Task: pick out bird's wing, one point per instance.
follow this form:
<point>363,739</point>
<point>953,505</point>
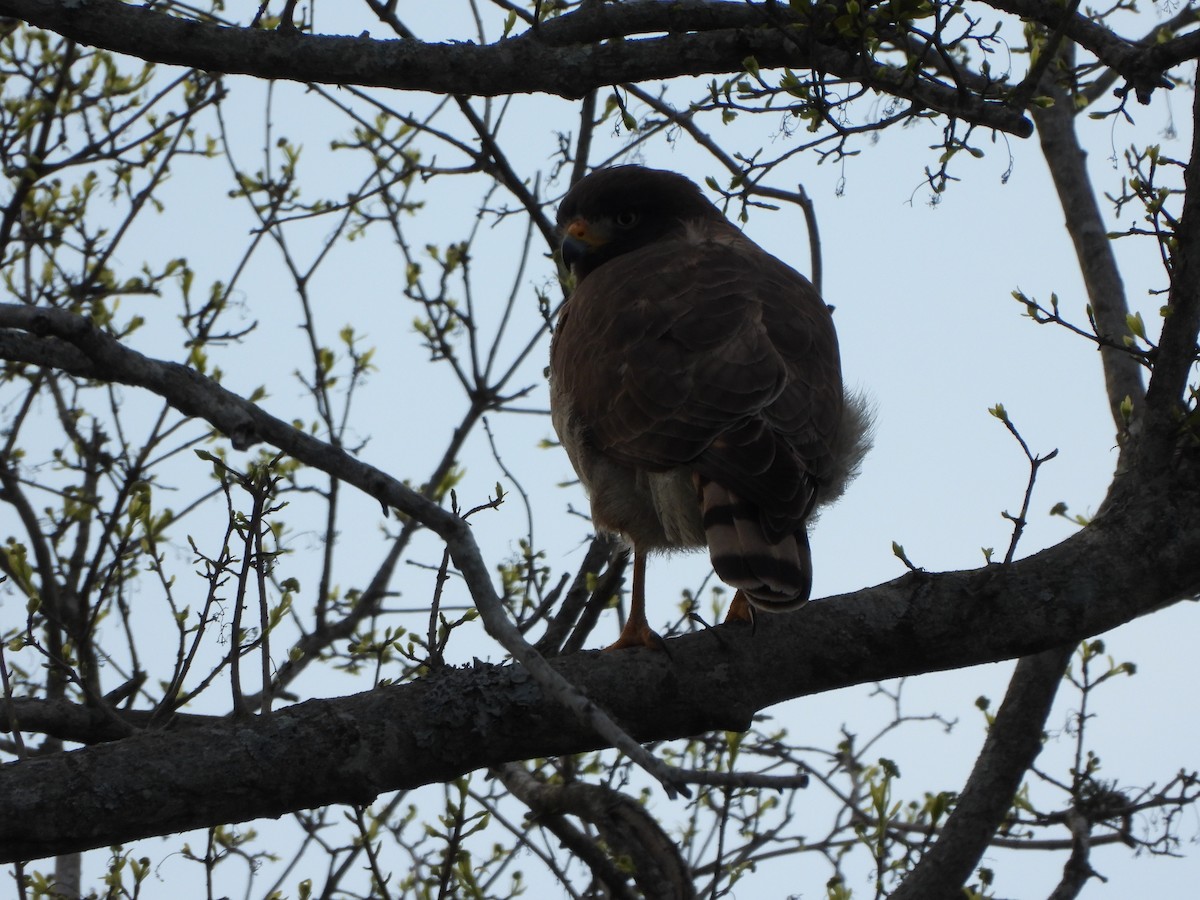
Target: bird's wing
<point>710,354</point>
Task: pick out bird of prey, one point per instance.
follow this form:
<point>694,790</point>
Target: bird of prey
<point>696,386</point>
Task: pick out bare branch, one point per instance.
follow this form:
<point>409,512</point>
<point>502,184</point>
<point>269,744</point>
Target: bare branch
<point>1013,742</point>
<point>1177,351</point>
<point>1141,67</point>
<point>524,64</point>
<point>1106,291</point>
<point>1140,551</point>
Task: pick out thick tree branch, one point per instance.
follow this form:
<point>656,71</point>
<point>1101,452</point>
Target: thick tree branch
<point>1141,552</point>
<point>1142,67</point>
<point>1133,558</point>
<point>1078,869</point>
<point>1013,743</point>
<point>1067,162</point>
<point>67,721</point>
<point>625,826</point>
<point>246,424</point>
<point>524,64</point>
<point>1015,737</point>
<point>349,750</point>
<point>1177,350</point>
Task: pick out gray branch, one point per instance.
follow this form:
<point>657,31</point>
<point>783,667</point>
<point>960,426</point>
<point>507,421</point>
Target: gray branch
<point>349,750</point>
<point>1143,67</point>
<point>576,53</point>
<point>1067,162</point>
<point>1013,743</point>
<point>1141,552</point>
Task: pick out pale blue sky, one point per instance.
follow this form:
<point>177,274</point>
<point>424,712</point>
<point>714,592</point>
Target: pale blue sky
<point>928,329</point>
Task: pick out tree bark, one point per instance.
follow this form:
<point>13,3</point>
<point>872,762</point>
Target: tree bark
<point>568,57</point>
<point>1067,162</point>
<point>1013,743</point>
<point>1141,553</point>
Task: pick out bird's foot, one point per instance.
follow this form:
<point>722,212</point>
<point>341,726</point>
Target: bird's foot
<point>637,631</point>
<point>638,635</point>
<point>740,610</point>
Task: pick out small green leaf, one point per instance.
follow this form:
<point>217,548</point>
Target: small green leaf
<point>1133,321</point>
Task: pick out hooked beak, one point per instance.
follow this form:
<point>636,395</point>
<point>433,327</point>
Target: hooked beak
<point>580,238</point>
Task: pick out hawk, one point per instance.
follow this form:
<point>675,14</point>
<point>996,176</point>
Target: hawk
<point>696,387</point>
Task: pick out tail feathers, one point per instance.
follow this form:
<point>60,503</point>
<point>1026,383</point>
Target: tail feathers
<point>775,576</point>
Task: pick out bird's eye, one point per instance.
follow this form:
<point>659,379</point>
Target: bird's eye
<point>627,219</point>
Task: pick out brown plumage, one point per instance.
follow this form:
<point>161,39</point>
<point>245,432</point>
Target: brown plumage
<point>696,386</point>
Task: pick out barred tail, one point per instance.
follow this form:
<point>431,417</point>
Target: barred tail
<point>775,576</point>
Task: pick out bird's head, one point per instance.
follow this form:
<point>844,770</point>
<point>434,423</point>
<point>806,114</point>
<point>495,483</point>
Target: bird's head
<point>613,211</point>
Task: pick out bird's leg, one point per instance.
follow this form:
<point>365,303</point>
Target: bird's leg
<point>740,610</point>
<point>637,631</point>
